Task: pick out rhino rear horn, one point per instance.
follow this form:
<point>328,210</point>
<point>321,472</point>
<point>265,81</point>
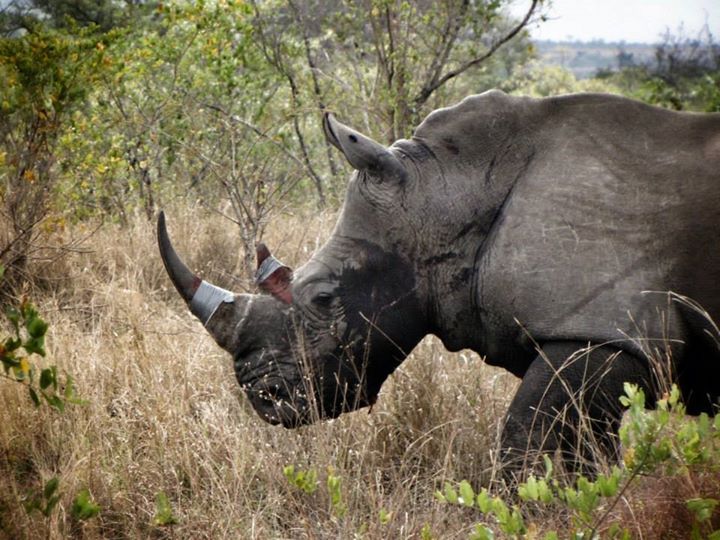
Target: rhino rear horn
<point>272,276</point>
<point>363,153</point>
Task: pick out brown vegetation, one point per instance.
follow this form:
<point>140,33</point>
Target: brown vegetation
<point>164,413</point>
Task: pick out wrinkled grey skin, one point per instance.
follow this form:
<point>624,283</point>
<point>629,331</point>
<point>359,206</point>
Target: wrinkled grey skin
<point>523,229</point>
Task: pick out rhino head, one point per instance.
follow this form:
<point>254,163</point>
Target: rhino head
<point>327,335</point>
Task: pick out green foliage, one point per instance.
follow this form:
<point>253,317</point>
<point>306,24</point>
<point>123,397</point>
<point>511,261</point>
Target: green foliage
<point>164,515</point>
<point>685,74</point>
<point>426,533</point>
<point>334,487</point>
<point>664,441</point>
<point>17,357</point>
<point>104,14</point>
<point>44,501</point>
<point>222,101</point>
<point>83,507</point>
<point>508,518</point>
<point>304,480</point>
<point>543,81</point>
<point>307,482</point>
<point>47,75</point>
<point>399,55</point>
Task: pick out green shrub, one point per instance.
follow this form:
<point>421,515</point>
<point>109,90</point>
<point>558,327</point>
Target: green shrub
<point>661,441</point>
<point>18,354</point>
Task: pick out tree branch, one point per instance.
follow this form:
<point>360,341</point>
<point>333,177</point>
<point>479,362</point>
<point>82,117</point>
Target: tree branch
<point>428,90</point>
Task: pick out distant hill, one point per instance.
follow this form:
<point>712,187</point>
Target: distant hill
<point>584,59</point>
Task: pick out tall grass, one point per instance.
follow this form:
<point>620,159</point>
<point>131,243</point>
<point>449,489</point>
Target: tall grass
<point>164,413</point>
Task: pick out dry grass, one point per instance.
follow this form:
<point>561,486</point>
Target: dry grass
<point>164,412</point>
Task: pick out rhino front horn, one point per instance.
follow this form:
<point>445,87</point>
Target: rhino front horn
<point>272,276</point>
<point>202,297</point>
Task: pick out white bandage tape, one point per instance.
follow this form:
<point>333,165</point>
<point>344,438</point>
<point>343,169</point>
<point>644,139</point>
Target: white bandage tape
<point>206,300</point>
<point>266,269</point>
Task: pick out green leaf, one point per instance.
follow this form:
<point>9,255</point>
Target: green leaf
<point>608,485</point>
<point>11,345</point>
<point>467,494</point>
<point>548,467</point>
<point>35,345</point>
<point>528,491</point>
<point>83,507</point>
<point>51,487</point>
<point>163,511</point>
<point>50,505</point>
<point>36,327</point>
<point>33,395</point>
<point>702,508</point>
<point>54,401</point>
<point>426,532</point>
<point>9,361</point>
<point>481,532</point>
<point>48,377</point>
<point>483,501</point>
<point>451,495</point>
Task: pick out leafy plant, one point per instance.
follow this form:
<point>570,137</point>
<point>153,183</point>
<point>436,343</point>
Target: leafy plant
<point>307,481</point>
<point>163,511</point>
<point>83,507</point>
<point>47,75</point>
<point>334,487</point>
<point>17,354</point>
<point>46,500</point>
<point>304,480</point>
<point>664,440</point>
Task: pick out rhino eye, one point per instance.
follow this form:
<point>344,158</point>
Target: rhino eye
<point>322,299</point>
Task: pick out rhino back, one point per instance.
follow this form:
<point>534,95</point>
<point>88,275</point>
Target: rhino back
<point>620,199</point>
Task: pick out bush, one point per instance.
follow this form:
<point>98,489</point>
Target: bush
<point>661,442</point>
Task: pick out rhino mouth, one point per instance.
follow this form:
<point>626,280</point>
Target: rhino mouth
<point>278,403</point>
<point>274,388</point>
<point>294,403</point>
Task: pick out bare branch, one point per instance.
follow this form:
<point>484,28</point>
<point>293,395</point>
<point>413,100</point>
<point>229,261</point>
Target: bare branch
<point>449,36</point>
<point>428,90</point>
<point>257,132</point>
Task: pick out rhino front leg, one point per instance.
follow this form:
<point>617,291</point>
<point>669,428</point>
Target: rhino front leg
<point>568,401</point>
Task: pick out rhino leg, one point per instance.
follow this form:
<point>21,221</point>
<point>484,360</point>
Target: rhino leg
<point>568,401</point>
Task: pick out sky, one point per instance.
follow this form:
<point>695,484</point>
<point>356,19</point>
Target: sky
<point>642,21</point>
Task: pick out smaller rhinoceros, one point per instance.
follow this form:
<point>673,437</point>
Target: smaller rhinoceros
<point>523,229</point>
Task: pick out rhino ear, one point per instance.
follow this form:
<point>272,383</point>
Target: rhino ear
<point>272,276</point>
<point>362,152</point>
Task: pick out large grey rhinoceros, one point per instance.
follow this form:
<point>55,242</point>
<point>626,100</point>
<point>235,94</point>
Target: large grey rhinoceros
<point>523,229</point>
